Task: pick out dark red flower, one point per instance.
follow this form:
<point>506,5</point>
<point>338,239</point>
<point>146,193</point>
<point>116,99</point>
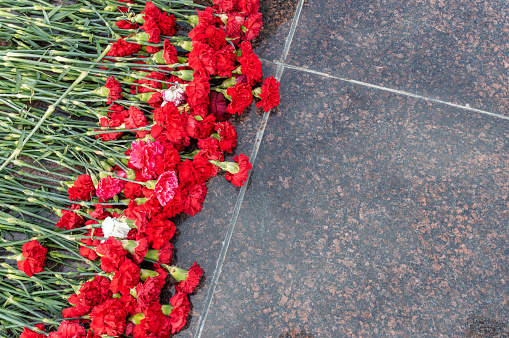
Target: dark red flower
<point>69,329</point>
<point>125,278</point>
<point>204,167</point>
<point>239,178</point>
<point>217,106</point>
<point>129,303</point>
<point>248,7</point>
<point>226,6</point>
<point>168,161</point>
<point>210,149</point>
<point>234,27</point>
<point>109,318</point>
<point>123,48</point>
<point>152,49</point>
<point>90,294</point>
<point>169,117</point>
<point>132,190</point>
<point>187,173</point>
<point>70,220</point>
<point>165,254</point>
<point>27,333</point>
<point>147,294</point>
<point>152,29</point>
<point>241,98</point>
<point>112,254</point>
<point>270,94</point>
<point>82,189</point>
<point>227,136</point>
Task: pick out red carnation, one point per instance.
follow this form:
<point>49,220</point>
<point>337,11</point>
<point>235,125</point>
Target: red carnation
<point>152,28</point>
<point>148,293</point>
<point>109,318</point>
<point>197,95</point>
<point>125,278</point>
<point>87,252</point>
<point>253,24</point>
<point>250,64</point>
<point>99,212</point>
<point>82,189</point>
<point>90,294</point>
<point>227,136</point>
<point>70,220</point>
<point>167,24</point>
<point>241,98</point>
<point>136,120</point>
<point>143,156</point>
<point>193,196</point>
<point>225,61</point>
<point>123,24</point>
<point>165,255</point>
<point>115,90</point>
<point>132,190</point>
<point>234,27</point>
<point>169,117</point>
<point>202,59</point>
<point>69,329</point>
<point>178,315</point>
<point>204,167</point>
<point>210,149</point>
<point>270,94</point>
<point>239,178</point>
<point>169,160</point>
<point>170,53</point>
<point>110,186</point>
<point>248,7</point>
<point>129,303</point>
<point>192,279</point>
<point>27,333</point>
<point>160,230</point>
<point>112,254</point>
<point>123,48</point>
<point>217,106</point>
<point>226,6</point>
<point>104,122</point>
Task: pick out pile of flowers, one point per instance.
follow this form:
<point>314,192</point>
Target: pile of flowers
<point>163,102</point>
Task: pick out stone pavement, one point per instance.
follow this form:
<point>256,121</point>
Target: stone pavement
<point>378,200</point>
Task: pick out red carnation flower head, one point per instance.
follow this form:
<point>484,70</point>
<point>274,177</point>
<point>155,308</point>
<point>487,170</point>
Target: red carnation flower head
<point>143,156</point>
<point>179,312</point>
<point>124,24</point>
<point>91,241</point>
<point>109,318</point>
<point>204,168</point>
<point>167,24</point>
<point>239,177</point>
<point>193,195</point>
<point>152,29</point>
<point>253,25</point>
<point>248,7</point>
<point>112,254</point>
<point>227,136</point>
<point>90,294</point>
<point>225,61</point>
<point>251,66</point>
<point>160,230</point>
<point>163,256</point>
<point>269,94</point>
<point>169,52</point>
<point>125,278</point>
<point>27,333</point>
<point>147,293</point>
<point>110,186</point>
<point>197,95</point>
<point>203,59</point>
<point>241,98</point>
<point>34,256</point>
<point>210,149</point>
<point>115,90</point>
<point>136,120</point>
<point>217,106</point>
<point>68,329</point>
<point>82,189</point>
<point>226,6</point>
<point>186,280</point>
<point>123,48</point>
<point>166,186</point>
<point>70,219</point>
<point>234,27</point>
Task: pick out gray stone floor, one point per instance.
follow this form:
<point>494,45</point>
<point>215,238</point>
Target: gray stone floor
<point>378,200</point>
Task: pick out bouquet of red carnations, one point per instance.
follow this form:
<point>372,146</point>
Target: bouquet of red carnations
<point>162,84</point>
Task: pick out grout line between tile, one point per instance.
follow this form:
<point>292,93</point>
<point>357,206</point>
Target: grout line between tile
<point>395,91</point>
<point>231,227</point>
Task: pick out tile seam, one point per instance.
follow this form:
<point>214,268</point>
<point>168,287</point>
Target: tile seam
<point>231,227</point>
<point>395,91</point>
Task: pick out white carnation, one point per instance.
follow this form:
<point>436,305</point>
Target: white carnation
<point>115,228</point>
<point>173,94</point>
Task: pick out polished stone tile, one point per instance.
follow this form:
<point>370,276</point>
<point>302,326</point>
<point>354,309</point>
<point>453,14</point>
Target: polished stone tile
<point>369,214</point>
<point>200,237</point>
<point>451,50</point>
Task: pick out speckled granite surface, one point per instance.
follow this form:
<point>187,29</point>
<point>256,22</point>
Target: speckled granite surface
<point>453,50</point>
<point>368,213</point>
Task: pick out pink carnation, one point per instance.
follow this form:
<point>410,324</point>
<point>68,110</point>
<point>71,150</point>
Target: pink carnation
<point>143,156</point>
<point>110,186</point>
<point>166,186</point>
